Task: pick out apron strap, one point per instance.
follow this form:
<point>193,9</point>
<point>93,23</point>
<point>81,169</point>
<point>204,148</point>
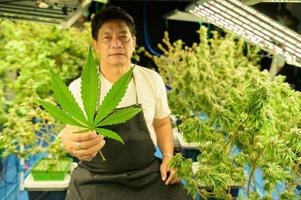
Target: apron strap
<point>135,85</point>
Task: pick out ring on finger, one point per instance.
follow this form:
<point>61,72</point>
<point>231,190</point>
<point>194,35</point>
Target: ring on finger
<point>77,147</point>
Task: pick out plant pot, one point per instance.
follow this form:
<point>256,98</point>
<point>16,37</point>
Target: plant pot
<point>51,169</point>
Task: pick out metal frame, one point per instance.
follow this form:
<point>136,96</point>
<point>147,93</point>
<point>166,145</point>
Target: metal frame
<point>181,16</point>
<point>25,10</point>
<point>253,2</point>
<point>251,25</point>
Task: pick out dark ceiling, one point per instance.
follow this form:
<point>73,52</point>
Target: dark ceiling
<point>151,14</point>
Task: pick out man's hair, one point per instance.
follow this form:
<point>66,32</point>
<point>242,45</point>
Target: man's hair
<point>111,13</point>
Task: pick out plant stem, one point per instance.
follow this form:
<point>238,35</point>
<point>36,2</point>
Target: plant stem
<point>202,195</point>
<point>102,156</point>
<point>231,140</point>
<point>291,185</point>
<point>254,183</point>
<point>250,179</point>
<point>253,168</point>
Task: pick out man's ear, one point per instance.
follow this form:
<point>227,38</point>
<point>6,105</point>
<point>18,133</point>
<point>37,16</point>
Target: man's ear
<point>134,42</point>
<point>94,44</point>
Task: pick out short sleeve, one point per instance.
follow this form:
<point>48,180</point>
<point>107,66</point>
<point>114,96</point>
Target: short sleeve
<point>162,109</point>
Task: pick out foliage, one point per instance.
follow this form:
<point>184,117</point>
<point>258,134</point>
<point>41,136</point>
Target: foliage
<point>3,107</point>
<point>251,119</point>
<point>136,54</point>
<point>95,117</point>
<point>26,47</point>
<point>29,129</point>
<point>56,149</point>
<point>50,165</point>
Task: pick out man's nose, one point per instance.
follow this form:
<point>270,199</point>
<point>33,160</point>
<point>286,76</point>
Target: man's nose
<point>115,42</point>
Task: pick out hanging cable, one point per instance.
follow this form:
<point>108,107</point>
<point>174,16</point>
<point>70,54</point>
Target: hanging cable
<point>146,38</point>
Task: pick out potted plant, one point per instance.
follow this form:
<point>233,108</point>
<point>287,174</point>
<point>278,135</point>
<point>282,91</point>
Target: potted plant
<point>244,131</point>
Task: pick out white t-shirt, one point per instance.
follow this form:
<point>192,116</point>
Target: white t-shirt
<point>150,90</point>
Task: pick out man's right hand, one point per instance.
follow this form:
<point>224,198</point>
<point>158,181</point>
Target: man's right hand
<point>84,146</point>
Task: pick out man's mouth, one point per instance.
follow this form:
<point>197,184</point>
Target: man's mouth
<point>116,54</point>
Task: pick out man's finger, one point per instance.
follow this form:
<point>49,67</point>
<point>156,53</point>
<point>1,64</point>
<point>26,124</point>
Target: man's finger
<point>90,152</point>
<point>84,136</point>
<point>90,143</point>
<point>163,170</point>
<point>94,154</point>
<point>171,179</point>
<point>85,158</point>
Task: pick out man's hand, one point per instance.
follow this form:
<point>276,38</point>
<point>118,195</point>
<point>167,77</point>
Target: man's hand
<point>84,146</point>
<point>167,173</point>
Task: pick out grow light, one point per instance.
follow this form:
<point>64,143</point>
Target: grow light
<point>252,2</point>
<point>181,16</point>
<point>282,1</point>
<point>251,25</point>
<point>62,12</point>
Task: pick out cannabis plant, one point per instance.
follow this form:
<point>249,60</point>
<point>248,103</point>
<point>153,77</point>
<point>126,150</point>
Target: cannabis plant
<point>94,117</point>
<point>3,107</point>
<point>25,48</point>
<point>28,128</point>
<point>252,122</point>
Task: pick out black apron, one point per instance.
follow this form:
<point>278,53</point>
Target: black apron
<point>130,172</point>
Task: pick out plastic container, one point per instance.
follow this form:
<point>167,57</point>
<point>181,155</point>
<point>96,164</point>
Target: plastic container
<point>51,169</point>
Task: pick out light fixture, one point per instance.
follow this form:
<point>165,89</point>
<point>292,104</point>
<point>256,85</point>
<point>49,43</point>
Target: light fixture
<point>251,25</point>
<point>282,1</point>
<point>76,14</point>
<point>253,2</point>
<point>61,12</point>
<point>181,16</point>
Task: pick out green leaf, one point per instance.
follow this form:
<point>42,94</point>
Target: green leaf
<point>60,114</point>
<point>110,134</point>
<point>114,96</point>
<point>120,116</point>
<point>90,87</point>
<point>64,97</point>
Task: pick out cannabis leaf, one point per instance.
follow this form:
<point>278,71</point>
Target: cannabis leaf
<point>113,97</point>
<point>89,88</point>
<point>95,116</point>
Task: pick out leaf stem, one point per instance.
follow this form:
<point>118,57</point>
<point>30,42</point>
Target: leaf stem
<point>102,156</point>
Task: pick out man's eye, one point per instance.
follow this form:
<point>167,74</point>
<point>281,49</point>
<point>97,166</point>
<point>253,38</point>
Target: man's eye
<point>124,37</point>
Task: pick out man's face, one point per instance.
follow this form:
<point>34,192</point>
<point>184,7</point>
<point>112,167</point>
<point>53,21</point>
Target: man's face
<point>115,44</point>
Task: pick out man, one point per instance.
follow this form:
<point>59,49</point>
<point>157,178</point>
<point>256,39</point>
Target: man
<point>131,171</point>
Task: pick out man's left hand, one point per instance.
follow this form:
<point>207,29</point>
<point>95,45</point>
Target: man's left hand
<point>167,173</point>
